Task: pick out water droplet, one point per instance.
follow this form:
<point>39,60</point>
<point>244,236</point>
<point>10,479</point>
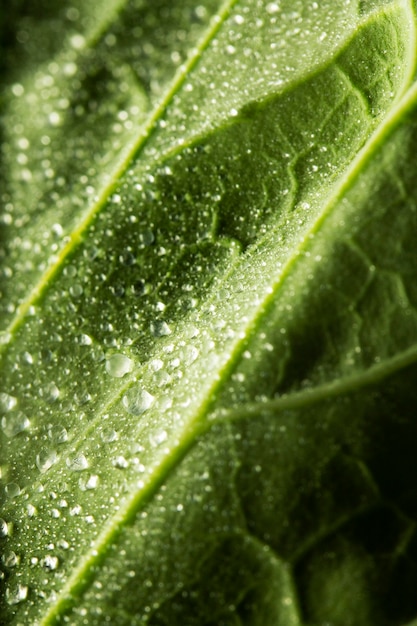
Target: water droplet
<point>156,439</point>
<point>16,593</point>
<point>162,378</point>
<point>146,238</point>
<point>4,528</point>
<point>76,290</point>
<point>120,462</point>
<point>108,435</point>
<point>77,462</point>
<point>10,559</point>
<point>118,365</point>
<point>50,392</point>
<point>90,483</point>
<point>75,510</point>
<point>46,459</point>
<point>7,402</point>
<point>31,510</point>
<point>85,340</point>
<point>12,490</point>
<point>190,354</point>
<point>50,562</point>
<point>159,328</point>
<point>136,401</point>
<point>14,423</point>
<point>272,7</point>
<point>58,434</point>
<point>156,364</point>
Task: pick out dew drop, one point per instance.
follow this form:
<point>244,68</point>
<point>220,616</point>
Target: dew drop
<point>136,401</point>
<point>108,435</point>
<point>16,594</point>
<point>190,354</point>
<point>118,365</point>
<point>4,528</point>
<point>77,462</point>
<point>85,340</point>
<point>50,393</point>
<point>45,460</point>
<point>146,238</point>
<point>159,328</point>
<point>76,290</point>
<point>120,462</point>
<point>7,402</point>
<point>156,439</point>
<point>12,490</point>
<point>10,559</point>
<point>14,423</point>
<point>58,434</point>
<point>31,510</point>
<point>90,483</point>
<point>50,562</point>
<point>156,364</point>
<point>272,7</point>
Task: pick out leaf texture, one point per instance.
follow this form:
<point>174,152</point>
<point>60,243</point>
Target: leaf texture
<point>209,327</point>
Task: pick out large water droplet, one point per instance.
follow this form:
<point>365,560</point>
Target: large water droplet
<point>118,365</point>
<point>46,459</point>
<point>50,392</point>
<point>159,328</point>
<point>137,400</point>
<point>7,402</point>
<point>16,593</point>
<point>50,562</point>
<point>58,434</point>
<point>12,490</point>
<point>108,435</point>
<point>14,423</point>
<point>4,528</point>
<point>10,559</point>
<point>157,438</point>
<point>89,483</point>
<point>77,462</point>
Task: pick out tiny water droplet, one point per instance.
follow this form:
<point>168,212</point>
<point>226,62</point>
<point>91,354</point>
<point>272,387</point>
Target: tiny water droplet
<point>118,365</point>
<point>137,400</point>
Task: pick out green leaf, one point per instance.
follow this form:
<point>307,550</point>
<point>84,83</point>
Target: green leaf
<point>208,311</point>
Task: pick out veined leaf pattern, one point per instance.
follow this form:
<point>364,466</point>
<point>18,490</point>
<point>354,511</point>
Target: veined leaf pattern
<point>209,314</point>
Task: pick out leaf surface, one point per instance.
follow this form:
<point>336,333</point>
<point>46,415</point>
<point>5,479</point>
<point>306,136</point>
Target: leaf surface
<point>209,319</point>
